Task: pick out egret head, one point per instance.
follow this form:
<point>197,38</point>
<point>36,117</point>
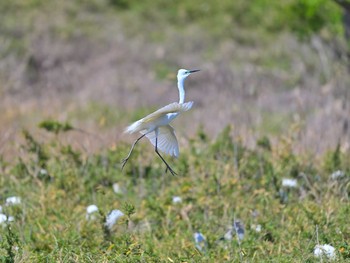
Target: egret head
<point>184,73</point>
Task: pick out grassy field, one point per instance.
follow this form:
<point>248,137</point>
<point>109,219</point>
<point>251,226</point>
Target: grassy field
<point>263,174</point>
<point>219,182</point>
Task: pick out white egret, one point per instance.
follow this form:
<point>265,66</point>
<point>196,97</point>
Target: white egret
<point>156,127</point>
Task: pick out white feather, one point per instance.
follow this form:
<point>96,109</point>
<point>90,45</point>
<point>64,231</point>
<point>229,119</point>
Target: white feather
<point>134,127</point>
<point>166,142</point>
<point>159,118</point>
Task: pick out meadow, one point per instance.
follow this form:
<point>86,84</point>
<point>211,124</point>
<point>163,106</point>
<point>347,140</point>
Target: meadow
<point>263,172</point>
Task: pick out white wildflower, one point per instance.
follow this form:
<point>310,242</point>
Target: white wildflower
<point>235,228</point>
<point>177,199</point>
<point>239,228</point>
<point>287,182</point>
<point>90,210</point>
<point>258,228</point>
<point>113,217</point>
<point>228,235</point>
<point>325,250</point>
<point>337,175</point>
<point>43,172</point>
<point>117,189</point>
<point>200,241</point>
<point>3,218</point>
<point>13,200</point>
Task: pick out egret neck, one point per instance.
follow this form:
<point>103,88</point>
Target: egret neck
<point>180,85</point>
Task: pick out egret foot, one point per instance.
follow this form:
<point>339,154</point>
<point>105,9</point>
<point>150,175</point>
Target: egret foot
<point>171,170</point>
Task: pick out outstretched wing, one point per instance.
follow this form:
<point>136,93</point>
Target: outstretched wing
<point>167,142</point>
<point>142,124</point>
<point>170,108</point>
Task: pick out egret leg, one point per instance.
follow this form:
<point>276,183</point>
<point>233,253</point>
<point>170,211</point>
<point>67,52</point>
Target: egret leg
<point>167,165</point>
<point>132,148</point>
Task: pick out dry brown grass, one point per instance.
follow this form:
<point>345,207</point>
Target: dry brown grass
<point>258,88</point>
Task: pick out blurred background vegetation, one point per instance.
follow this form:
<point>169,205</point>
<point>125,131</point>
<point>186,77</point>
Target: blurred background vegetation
<point>266,61</point>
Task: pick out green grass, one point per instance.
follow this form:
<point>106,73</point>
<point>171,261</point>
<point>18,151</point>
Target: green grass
<point>218,181</point>
<point>225,20</point>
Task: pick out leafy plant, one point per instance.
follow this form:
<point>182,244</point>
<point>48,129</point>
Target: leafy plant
<point>36,148</point>
<point>11,244</point>
<point>55,126</point>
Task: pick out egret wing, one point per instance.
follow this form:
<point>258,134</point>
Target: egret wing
<point>170,108</point>
<point>175,107</point>
<point>167,141</point>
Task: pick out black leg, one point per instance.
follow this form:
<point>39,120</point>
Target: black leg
<point>132,148</point>
<point>167,165</point>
